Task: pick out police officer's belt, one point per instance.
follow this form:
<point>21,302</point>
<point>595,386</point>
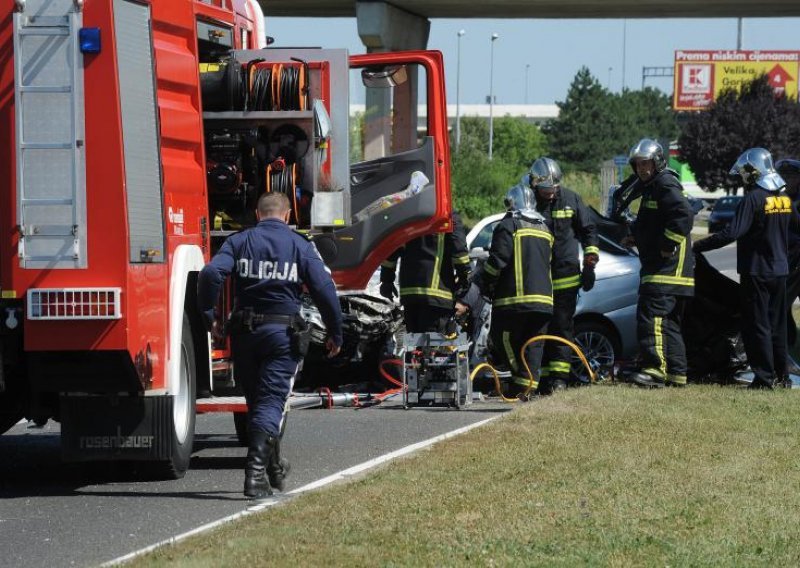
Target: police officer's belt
<point>258,319</point>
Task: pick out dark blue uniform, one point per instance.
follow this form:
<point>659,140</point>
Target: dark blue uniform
<point>761,228</point>
<point>270,264</point>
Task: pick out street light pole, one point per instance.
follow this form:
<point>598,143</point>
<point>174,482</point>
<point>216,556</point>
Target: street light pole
<point>527,68</point>
<point>491,93</point>
<point>458,89</point>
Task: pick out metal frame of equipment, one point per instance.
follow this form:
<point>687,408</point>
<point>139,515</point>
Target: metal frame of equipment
<point>436,370</point>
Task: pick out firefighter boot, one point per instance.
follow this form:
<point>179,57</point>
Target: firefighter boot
<point>256,485</point>
<point>647,380</point>
<point>277,467</point>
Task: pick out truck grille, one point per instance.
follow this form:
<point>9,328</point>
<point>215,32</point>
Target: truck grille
<point>74,304</point>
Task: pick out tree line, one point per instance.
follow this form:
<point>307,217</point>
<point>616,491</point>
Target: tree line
<point>595,125</point>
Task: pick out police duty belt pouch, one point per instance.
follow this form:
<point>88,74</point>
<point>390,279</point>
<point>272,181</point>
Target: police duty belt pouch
<point>300,337</point>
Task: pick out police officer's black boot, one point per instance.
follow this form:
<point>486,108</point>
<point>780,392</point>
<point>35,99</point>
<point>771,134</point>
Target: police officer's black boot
<point>277,467</point>
<point>256,485</point>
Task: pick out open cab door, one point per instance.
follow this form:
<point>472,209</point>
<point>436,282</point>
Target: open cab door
<point>279,120</point>
<point>399,175</point>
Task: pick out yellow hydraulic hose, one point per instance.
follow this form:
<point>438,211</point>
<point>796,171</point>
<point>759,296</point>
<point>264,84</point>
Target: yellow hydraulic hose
<point>574,347</point>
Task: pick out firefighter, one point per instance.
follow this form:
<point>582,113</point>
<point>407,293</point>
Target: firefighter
<point>434,271</point>
<point>760,228</point>
<point>569,221</point>
<point>516,279</point>
<point>270,264</point>
<point>661,232</point>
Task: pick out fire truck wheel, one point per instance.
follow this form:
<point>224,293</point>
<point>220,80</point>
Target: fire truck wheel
<point>240,423</point>
<point>183,409</point>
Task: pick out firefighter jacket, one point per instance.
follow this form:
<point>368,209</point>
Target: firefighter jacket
<point>569,221</point>
<point>761,229</point>
<point>664,223</point>
<point>516,276</point>
<point>270,264</point>
<point>429,266</point>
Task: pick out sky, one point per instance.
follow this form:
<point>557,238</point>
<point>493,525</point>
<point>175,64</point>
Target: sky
<point>555,49</point>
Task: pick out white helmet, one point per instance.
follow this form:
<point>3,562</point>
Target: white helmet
<point>519,198</point>
<point>755,166</point>
<point>648,149</point>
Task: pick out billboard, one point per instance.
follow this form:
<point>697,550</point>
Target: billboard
<point>701,75</point>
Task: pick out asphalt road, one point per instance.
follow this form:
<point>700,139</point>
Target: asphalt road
<point>56,514</point>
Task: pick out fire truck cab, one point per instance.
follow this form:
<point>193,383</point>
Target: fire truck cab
<point>138,135</point>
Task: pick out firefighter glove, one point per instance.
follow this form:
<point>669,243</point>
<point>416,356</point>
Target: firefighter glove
<point>388,290</point>
<point>587,277</point>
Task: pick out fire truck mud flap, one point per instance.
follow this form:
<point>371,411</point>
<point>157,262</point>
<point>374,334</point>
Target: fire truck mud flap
<point>156,429</point>
<point>121,428</point>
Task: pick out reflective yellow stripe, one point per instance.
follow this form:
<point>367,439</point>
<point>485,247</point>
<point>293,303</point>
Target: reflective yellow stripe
<point>438,262</point>
<point>524,382</point>
<point>535,298</point>
<point>461,259</point>
<point>512,360</point>
<point>674,236</point>
<point>677,379</point>
<point>568,282</point>
<point>591,250</point>
<point>518,281</point>
<point>535,233</point>
<point>563,214</point>
<point>518,236</point>
<point>426,292</point>
<point>491,270</point>
<point>560,366</point>
<point>388,264</point>
<point>650,204</point>
<point>659,337</point>
<point>675,280</point>
<point>681,258</point>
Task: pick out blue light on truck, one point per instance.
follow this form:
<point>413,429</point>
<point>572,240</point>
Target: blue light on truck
<point>89,39</point>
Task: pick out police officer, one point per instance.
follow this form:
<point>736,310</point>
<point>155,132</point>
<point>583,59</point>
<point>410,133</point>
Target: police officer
<point>434,271</point>
<point>516,278</point>
<point>662,234</point>
<point>569,221</point>
<point>760,227</point>
<point>270,264</point>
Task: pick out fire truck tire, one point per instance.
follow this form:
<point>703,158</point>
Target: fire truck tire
<point>240,423</point>
<point>183,410</point>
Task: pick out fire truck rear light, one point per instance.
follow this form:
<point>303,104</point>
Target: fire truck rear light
<point>74,304</point>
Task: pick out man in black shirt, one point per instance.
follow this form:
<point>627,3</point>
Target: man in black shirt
<point>760,228</point>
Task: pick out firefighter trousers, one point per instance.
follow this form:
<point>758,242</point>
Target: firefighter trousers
<point>266,368</point>
<point>764,328</point>
<point>508,333</point>
<point>421,317</point>
<point>658,326</point>
<point>557,355</point>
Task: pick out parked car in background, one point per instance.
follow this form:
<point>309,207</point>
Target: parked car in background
<point>723,212</point>
<point>605,319</point>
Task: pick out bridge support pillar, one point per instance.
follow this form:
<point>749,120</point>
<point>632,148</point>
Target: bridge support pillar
<point>390,116</point>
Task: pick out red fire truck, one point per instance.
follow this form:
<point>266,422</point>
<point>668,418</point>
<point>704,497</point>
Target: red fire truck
<point>138,135</point>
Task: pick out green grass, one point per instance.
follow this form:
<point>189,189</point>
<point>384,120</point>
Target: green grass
<point>612,476</point>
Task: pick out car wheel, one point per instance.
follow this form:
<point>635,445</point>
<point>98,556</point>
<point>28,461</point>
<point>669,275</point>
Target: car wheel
<point>600,346</point>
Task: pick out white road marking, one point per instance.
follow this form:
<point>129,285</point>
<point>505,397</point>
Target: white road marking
<point>272,501</point>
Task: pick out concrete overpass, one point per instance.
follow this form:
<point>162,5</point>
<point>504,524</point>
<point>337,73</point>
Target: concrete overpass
<point>547,8</point>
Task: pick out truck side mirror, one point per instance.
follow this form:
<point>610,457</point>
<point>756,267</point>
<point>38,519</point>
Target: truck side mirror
<point>384,77</point>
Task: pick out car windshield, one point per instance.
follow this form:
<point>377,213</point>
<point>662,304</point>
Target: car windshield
<point>484,238</point>
<point>727,203</point>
